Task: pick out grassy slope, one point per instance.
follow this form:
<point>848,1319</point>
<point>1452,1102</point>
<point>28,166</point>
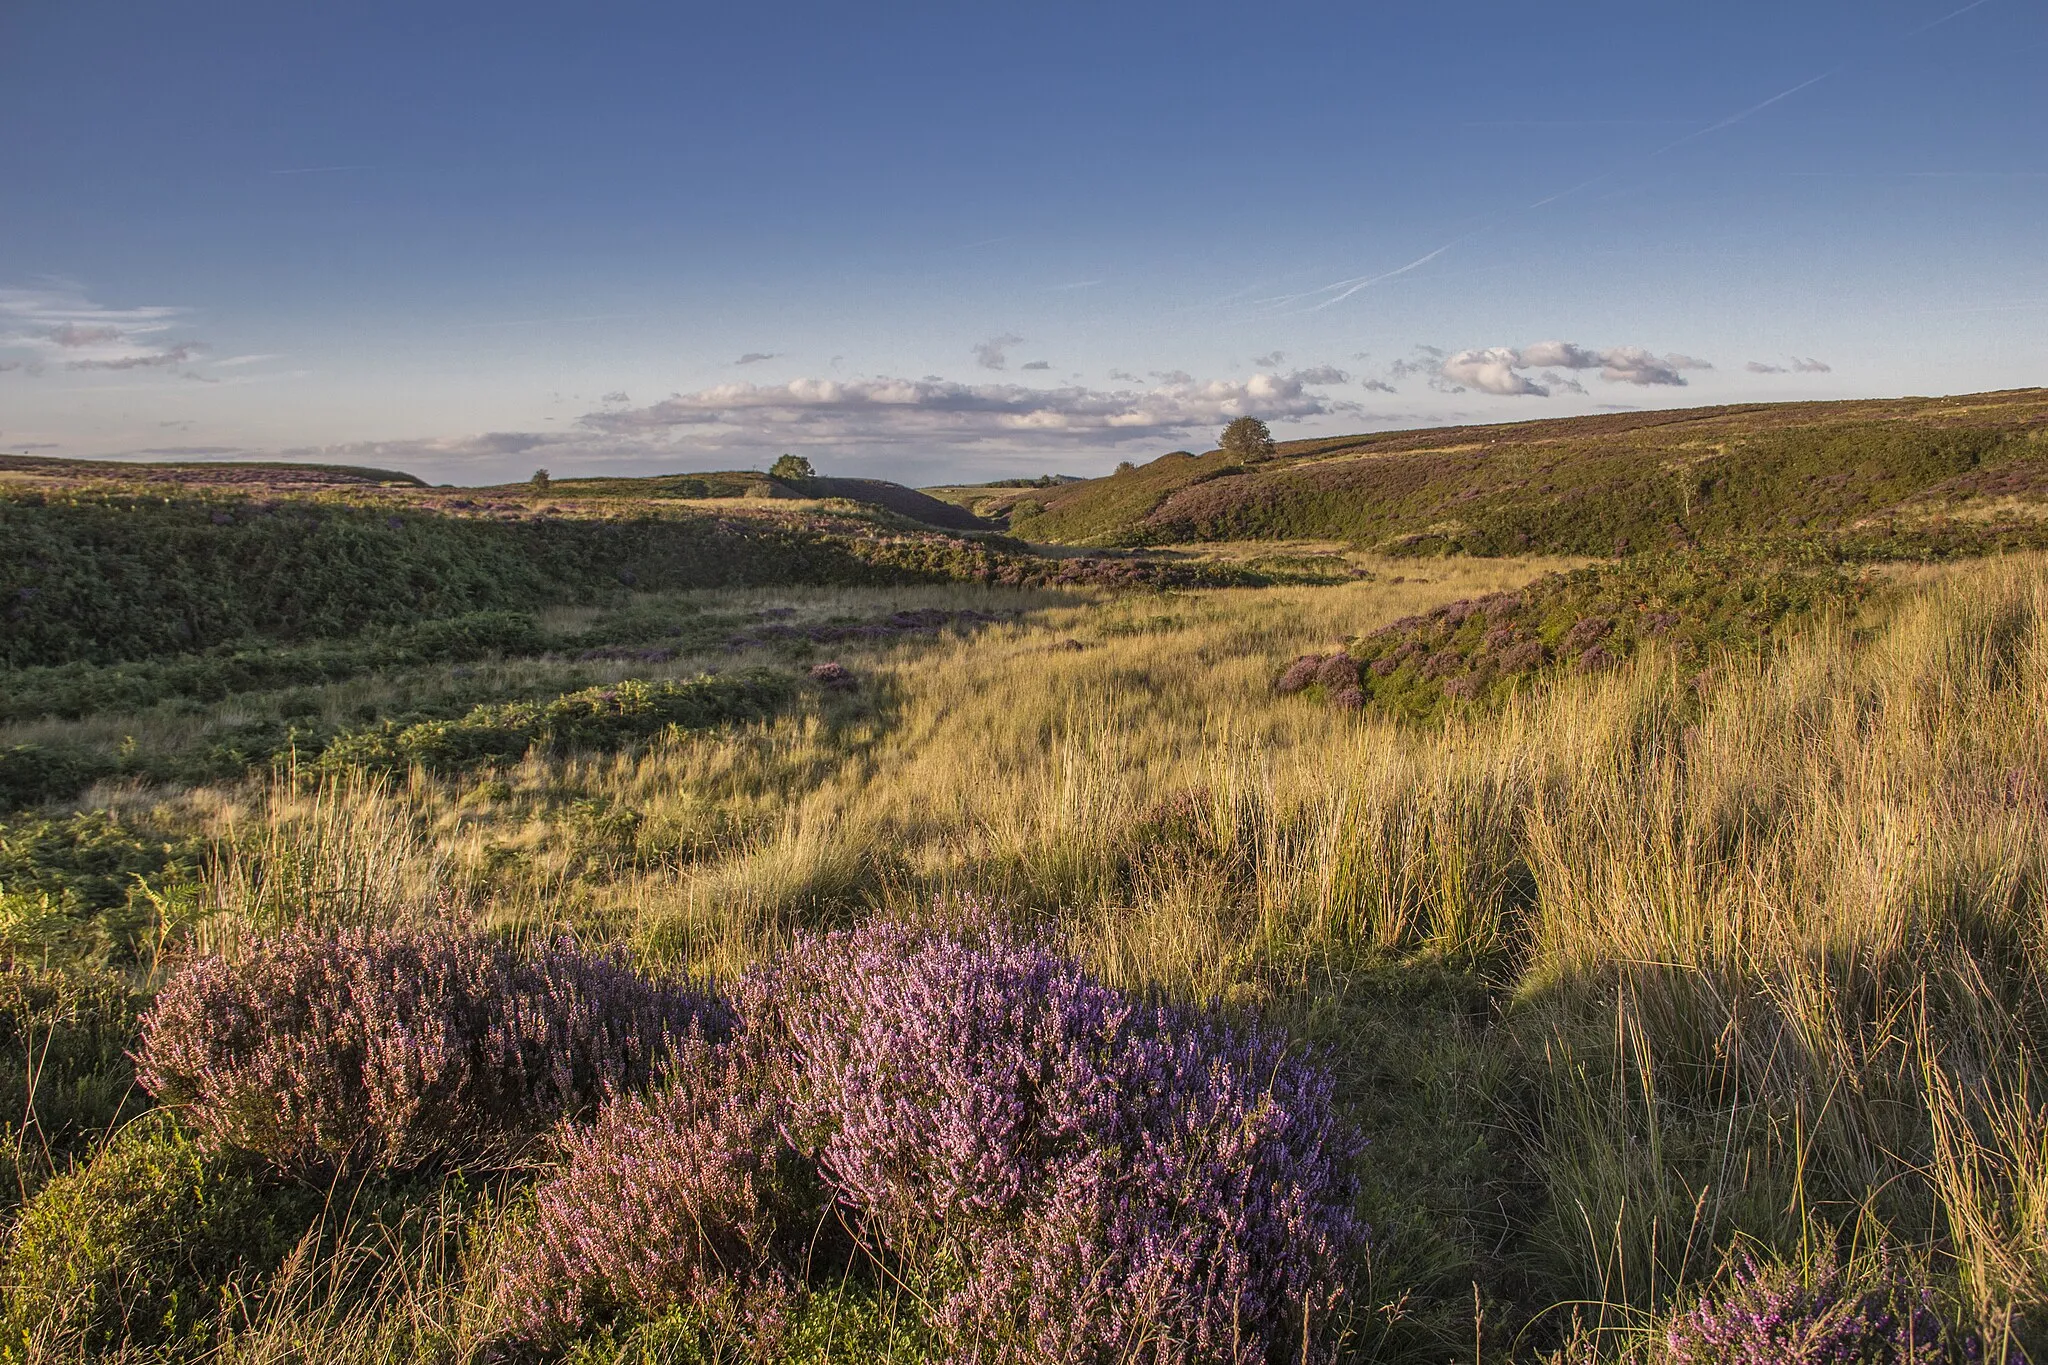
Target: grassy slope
<point>1594,485</point>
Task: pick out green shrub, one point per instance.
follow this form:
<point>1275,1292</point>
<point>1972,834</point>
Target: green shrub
<point>140,1245</point>
<point>84,888</point>
<point>31,774</point>
<point>65,1075</point>
<point>613,716</point>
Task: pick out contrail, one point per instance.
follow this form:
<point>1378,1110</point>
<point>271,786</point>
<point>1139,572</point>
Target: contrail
<point>1353,285</point>
<point>1953,14</point>
<point>1753,109</point>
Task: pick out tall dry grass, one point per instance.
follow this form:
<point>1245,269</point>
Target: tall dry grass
<point>1764,949</point>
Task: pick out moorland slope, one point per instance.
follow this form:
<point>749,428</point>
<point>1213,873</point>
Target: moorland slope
<point>1890,478</point>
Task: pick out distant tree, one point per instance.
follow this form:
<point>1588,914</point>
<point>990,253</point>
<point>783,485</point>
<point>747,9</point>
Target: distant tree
<point>1248,439</point>
<point>792,468</point>
<point>1124,466</point>
<point>540,483</point>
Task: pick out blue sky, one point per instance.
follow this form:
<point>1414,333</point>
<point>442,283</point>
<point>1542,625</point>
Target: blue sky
<point>933,242</point>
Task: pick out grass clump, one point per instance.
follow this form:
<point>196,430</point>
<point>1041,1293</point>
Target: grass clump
<point>65,1076</point>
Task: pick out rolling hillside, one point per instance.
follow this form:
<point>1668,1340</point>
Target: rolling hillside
<point>1912,477</point>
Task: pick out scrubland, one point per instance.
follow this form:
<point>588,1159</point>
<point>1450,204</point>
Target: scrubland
<point>1637,985</point>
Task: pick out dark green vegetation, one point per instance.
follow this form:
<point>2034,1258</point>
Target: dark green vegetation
<point>607,718</point>
<point>1694,609</point>
<point>1906,478</point>
<point>104,576</point>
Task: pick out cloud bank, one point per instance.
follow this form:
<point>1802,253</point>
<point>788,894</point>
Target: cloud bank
<point>861,412</point>
<point>1507,370</point>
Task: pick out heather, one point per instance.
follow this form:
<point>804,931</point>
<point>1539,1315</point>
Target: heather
<point>383,1047</point>
<point>1069,1172</point>
<point>1691,609</point>
<point>1889,478</point>
<point>1757,1313</point>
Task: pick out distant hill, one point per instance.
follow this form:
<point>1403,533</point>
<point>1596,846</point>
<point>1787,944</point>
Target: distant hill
<point>212,473</point>
<point>747,483</point>
<point>1920,475</point>
<point>906,502</point>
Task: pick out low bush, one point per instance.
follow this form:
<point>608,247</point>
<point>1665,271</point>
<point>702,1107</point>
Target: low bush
<point>31,774</point>
<point>1062,1172</point>
<point>608,717</point>
<point>399,1047</point>
<point>1771,1314</point>
<point>71,690</point>
<point>136,1248</point>
<point>1075,1173</point>
<point>689,1198</point>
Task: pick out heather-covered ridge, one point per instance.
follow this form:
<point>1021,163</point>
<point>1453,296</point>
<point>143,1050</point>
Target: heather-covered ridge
<point>1891,478</point>
<point>1692,609</point>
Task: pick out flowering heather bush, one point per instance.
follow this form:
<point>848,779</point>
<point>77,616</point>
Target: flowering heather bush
<point>1337,672</point>
<point>1092,1177</point>
<point>834,676</point>
<point>1299,674</point>
<point>1776,1317</point>
<point>689,1196</point>
<point>395,1047</point>
<point>1585,633</point>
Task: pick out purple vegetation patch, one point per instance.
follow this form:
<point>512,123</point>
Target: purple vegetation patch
<point>392,1047</point>
<point>1776,1317</point>
<point>1096,1168</point>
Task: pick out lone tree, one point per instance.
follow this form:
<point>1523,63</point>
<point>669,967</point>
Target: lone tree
<point>792,468</point>
<point>540,482</point>
<point>1248,439</point>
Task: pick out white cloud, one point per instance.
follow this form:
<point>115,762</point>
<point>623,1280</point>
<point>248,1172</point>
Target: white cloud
<point>60,325</point>
<point>1377,386</point>
<point>1634,365</point>
<point>1493,370</point>
<point>1759,367</point>
<point>1809,365</point>
<point>990,354</point>
<point>1502,369</point>
<point>1272,360</point>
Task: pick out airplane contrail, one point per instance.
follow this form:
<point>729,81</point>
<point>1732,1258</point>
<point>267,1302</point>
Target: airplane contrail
<point>1353,285</point>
